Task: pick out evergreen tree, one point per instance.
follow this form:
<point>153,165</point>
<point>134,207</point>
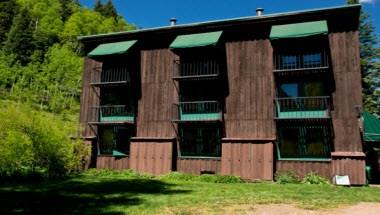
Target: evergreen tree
<point>109,10</point>
<point>8,9</point>
<point>369,52</point>
<point>66,9</point>
<point>98,7</point>
<point>20,38</point>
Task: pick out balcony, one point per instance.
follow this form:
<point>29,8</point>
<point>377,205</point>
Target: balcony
<point>302,107</point>
<point>113,114</point>
<point>202,69</point>
<point>317,61</point>
<point>110,76</point>
<point>197,111</point>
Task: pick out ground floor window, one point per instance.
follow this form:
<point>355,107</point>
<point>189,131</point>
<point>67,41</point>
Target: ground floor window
<point>200,140</point>
<point>304,142</point>
<point>114,140</point>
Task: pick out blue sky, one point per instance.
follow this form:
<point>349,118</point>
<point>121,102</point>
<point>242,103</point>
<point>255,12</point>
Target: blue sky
<point>154,13</point>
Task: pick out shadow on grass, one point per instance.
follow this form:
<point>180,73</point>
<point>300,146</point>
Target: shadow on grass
<point>79,196</point>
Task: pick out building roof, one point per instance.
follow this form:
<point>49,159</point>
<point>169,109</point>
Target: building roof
<point>371,127</point>
<point>227,22</point>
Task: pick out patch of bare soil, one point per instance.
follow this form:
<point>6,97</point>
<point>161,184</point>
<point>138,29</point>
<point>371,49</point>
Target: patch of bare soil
<point>283,209</point>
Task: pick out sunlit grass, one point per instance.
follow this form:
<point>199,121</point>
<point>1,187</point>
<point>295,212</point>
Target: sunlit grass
<point>131,193</point>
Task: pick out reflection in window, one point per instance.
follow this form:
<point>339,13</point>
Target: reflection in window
<point>304,142</point>
<point>312,60</point>
<point>200,141</point>
<point>288,62</point>
<point>114,138</point>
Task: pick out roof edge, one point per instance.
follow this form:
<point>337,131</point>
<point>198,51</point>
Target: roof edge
<point>222,21</point>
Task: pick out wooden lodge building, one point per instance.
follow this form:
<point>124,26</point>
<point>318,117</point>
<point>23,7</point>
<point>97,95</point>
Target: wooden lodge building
<point>247,96</point>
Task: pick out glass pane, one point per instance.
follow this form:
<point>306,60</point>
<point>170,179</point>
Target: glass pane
<point>201,141</point>
<point>288,90</point>
<point>316,142</point>
<point>106,140</point>
<point>314,88</point>
<point>122,138</point>
<point>312,60</point>
<point>289,142</point>
<point>288,62</point>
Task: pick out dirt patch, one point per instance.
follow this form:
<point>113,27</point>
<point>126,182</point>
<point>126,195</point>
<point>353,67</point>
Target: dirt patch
<point>283,209</point>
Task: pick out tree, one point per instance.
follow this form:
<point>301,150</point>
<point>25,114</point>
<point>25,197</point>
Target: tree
<point>369,53</point>
<point>107,10</point>
<point>8,9</point>
<point>20,38</point>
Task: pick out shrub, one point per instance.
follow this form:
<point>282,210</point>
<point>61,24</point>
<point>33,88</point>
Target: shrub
<point>287,177</point>
<point>34,142</point>
<point>314,178</point>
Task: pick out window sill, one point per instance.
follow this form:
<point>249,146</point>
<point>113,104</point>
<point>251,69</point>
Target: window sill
<point>199,157</point>
<point>306,159</point>
<point>115,156</point>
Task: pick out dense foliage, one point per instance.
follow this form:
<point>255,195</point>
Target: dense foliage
<point>41,65</point>
<point>370,54</point>
<point>37,142</point>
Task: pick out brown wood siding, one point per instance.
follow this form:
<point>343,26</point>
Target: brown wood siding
<point>196,166</point>
<point>301,168</point>
<point>89,97</point>
<point>344,48</point>
<point>250,161</point>
<point>158,94</point>
<point>249,105</point>
<point>353,167</point>
<point>110,162</point>
<point>151,157</point>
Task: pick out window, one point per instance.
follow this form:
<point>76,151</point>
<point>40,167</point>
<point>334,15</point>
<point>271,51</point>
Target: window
<point>301,89</point>
<point>200,140</point>
<point>288,61</point>
<point>114,140</point>
<point>304,142</point>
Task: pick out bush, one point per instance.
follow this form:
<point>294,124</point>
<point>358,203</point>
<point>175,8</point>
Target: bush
<point>287,177</point>
<point>314,178</point>
<point>35,142</point>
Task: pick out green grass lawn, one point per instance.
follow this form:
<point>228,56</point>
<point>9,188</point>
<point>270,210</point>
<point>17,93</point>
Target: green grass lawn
<point>125,193</point>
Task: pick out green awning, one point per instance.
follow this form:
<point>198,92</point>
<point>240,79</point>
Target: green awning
<point>118,154</point>
<point>296,30</point>
<point>196,40</point>
<point>112,48</point>
<point>371,127</point>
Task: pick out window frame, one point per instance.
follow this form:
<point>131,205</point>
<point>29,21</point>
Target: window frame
<point>302,142</point>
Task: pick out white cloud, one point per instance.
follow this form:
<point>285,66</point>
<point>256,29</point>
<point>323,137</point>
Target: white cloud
<point>367,1</point>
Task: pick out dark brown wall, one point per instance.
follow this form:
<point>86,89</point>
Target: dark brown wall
<point>196,166</point>
<point>344,48</point>
<point>249,105</point>
<point>351,166</point>
<point>110,162</point>
<point>89,97</point>
<point>301,168</point>
<point>247,160</point>
<point>158,94</point>
<point>151,157</point>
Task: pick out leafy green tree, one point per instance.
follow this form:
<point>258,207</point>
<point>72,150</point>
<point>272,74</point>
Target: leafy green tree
<point>369,53</point>
<point>8,9</point>
<point>20,38</point>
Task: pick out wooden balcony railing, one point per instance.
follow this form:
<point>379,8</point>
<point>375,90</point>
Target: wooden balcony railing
<point>113,114</point>
<point>109,76</point>
<point>302,107</point>
<point>318,60</point>
<point>197,111</point>
<point>196,69</point>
